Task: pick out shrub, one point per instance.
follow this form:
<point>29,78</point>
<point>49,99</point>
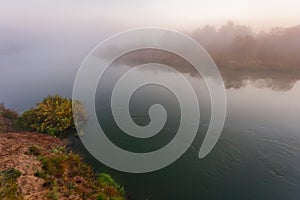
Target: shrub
<point>65,170</point>
<point>110,186</point>
<point>52,116</point>
<point>7,113</point>
<point>7,117</point>
<point>9,189</point>
<point>34,150</point>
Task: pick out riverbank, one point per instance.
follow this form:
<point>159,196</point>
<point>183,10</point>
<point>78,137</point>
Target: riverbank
<point>43,169</point>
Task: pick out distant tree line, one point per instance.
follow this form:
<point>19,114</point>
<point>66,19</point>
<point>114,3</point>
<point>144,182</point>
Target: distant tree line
<point>238,46</point>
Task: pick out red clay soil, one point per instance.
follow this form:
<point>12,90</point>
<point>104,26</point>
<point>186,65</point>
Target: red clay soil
<point>13,148</point>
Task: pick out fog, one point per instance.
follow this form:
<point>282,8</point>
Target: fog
<point>43,43</point>
<point>43,59</point>
<point>176,14</point>
<point>38,59</point>
<point>243,55</point>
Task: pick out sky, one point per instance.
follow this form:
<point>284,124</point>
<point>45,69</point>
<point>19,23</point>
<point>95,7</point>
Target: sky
<point>179,14</point>
<point>43,42</point>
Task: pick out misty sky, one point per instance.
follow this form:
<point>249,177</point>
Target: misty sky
<point>43,42</point>
<point>168,13</point>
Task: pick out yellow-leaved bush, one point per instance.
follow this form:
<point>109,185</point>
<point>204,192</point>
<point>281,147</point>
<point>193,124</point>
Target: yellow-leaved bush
<point>52,116</point>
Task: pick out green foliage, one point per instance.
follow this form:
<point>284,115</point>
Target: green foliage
<point>34,150</point>
<point>7,113</point>
<point>56,165</point>
<point>7,117</point>
<point>107,180</point>
<point>9,189</point>
<point>2,126</point>
<point>53,195</point>
<point>52,116</point>
<point>112,189</point>
<point>65,171</point>
<point>101,196</point>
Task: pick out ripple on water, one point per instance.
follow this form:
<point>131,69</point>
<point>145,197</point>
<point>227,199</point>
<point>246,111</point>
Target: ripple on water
<point>280,157</point>
<point>229,159</point>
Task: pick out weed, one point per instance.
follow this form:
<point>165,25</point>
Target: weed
<point>34,150</point>
<point>9,189</point>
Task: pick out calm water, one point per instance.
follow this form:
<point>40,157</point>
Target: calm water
<point>257,156</point>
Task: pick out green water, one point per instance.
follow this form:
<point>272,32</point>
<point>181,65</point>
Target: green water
<point>257,156</point>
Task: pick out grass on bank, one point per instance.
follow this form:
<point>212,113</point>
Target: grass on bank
<point>66,175</point>
<point>9,189</point>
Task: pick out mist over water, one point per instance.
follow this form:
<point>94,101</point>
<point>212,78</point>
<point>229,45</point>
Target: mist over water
<point>257,156</point>
<point>35,63</point>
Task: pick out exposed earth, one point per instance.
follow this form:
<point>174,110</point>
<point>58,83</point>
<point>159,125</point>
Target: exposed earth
<point>38,166</point>
<point>13,148</point>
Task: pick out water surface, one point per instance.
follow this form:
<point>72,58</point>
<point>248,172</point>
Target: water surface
<point>257,156</point>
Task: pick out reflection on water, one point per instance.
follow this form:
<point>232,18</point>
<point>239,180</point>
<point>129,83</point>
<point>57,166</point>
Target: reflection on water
<point>276,78</point>
<point>257,156</point>
<point>21,90</point>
